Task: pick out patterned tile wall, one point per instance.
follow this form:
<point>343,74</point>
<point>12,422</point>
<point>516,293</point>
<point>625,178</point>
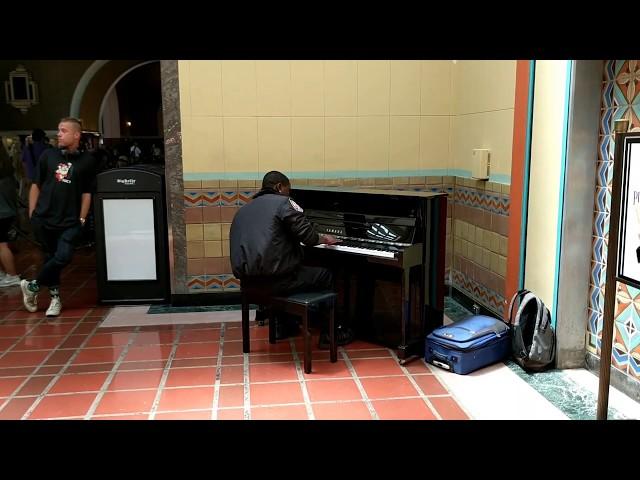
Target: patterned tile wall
<point>620,99</point>
<point>481,206</point>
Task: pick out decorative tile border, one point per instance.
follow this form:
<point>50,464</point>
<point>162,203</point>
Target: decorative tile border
<point>488,201</point>
<point>490,299</point>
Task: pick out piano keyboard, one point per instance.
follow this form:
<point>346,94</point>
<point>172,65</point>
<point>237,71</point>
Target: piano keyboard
<point>363,251</point>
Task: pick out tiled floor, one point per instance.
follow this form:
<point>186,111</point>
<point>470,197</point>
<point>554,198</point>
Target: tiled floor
<point>71,368</point>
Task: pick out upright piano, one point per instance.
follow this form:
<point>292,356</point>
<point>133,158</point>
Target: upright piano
<point>389,264</point>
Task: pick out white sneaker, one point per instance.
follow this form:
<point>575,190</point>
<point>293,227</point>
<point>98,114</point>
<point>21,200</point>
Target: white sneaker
<point>54,307</point>
<point>2,275</point>
<point>29,298</point>
<point>9,281</point>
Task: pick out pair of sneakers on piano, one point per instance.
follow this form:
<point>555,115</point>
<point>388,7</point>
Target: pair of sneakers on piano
<point>289,326</point>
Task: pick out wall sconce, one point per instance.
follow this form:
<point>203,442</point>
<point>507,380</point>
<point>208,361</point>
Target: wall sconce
<point>21,91</point>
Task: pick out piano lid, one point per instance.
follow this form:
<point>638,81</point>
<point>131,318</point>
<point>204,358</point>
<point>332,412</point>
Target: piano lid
<point>375,191</point>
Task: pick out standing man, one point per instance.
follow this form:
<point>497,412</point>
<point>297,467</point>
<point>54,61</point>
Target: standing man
<point>59,201</point>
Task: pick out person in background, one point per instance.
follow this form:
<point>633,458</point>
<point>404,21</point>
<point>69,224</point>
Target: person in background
<point>34,146</point>
<point>59,202</point>
<point>8,212</point>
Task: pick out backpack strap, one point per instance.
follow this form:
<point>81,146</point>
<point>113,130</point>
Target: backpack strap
<point>518,294</point>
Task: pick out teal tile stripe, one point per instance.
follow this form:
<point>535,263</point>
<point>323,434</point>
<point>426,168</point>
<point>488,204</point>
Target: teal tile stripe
<point>435,172</point>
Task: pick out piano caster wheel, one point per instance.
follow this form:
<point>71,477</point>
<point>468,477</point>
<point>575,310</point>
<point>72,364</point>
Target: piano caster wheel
<point>404,361</point>
<point>260,323</point>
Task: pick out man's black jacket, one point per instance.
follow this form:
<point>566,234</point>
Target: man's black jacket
<point>265,236</point>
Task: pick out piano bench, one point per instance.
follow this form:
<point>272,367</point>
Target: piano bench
<point>299,304</point>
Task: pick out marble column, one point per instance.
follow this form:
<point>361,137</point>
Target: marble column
<point>173,176</point>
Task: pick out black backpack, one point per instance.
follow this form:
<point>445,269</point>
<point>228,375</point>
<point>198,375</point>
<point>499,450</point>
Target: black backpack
<point>533,341</point>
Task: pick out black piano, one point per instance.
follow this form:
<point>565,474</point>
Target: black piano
<point>389,265</point>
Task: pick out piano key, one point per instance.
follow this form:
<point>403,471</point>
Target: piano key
<point>363,251</point>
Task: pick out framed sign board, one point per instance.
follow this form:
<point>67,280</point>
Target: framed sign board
<point>628,270</point>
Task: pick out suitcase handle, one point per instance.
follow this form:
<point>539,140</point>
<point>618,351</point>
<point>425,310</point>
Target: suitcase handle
<point>441,361</point>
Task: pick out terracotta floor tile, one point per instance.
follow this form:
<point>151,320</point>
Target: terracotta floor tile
<point>430,385</point>
<point>53,406</point>
<point>186,398</point>
<point>126,402</point>
<point>142,365</point>
<point>39,343</point>
<point>8,385</point>
<point>388,387</point>
<point>82,382</point>
<point>35,386</point>
<point>98,355</point>
<point>194,362</point>
<point>376,353</point>
<point>231,396</point>
<point>275,393</point>
<point>16,408</point>
<point>417,366</point>
<point>326,390</point>
<point>448,408</point>
<point>108,340</point>
<point>186,377</point>
<point>155,338</point>
<point>341,411</point>
<point>232,374</point>
<point>144,416</point>
<point>403,409</point>
<point>272,372</point>
<point>326,369</point>
<point>90,368</point>
<point>60,357</point>
<point>23,359</point>
<point>199,415</point>
<point>135,379</point>
<point>191,350</point>
<point>288,412</point>
<point>382,366</point>
<point>205,335</point>
<point>148,352</point>
<point>231,414</point>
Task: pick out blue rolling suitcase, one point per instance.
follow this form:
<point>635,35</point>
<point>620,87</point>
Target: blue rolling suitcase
<point>468,344</point>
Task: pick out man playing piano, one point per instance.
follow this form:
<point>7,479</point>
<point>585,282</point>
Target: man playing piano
<point>265,247</point>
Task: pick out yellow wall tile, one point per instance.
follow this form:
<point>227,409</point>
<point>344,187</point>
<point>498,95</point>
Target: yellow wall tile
<point>189,184</point>
<point>225,227</point>
<point>194,232</point>
<point>341,88</point>
<point>225,248</point>
<point>341,143</point>
<point>436,87</point>
<point>405,87</point>
<point>373,143</point>
<point>307,154</point>
<point>213,248</point>
<point>195,249</point>
<point>503,246</point>
<point>206,87</point>
<point>239,97</point>
<point>373,87</point>
<point>274,144</point>
<point>210,183</point>
<point>247,183</point>
<point>207,147</point>
<point>212,231</point>
<point>241,144</point>
<point>184,89</point>
<point>467,134</point>
<point>404,143</point>
<point>434,142</point>
<point>307,87</point>
<point>502,266</point>
<point>187,145</point>
<point>498,138</point>
<point>231,184</point>
<point>273,87</point>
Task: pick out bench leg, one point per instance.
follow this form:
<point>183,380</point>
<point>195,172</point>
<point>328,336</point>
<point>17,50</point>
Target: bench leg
<point>272,326</point>
<point>307,341</point>
<point>332,333</point>
<point>245,325</point>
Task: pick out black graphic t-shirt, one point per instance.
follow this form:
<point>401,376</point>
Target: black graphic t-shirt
<point>62,178</point>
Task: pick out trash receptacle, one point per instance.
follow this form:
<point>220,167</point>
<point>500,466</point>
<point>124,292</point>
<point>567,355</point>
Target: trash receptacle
<point>132,258</point>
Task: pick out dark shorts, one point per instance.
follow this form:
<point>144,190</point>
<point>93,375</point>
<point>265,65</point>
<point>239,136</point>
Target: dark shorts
<point>5,226</point>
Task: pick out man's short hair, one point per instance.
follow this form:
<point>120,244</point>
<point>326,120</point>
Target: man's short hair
<point>272,178</point>
<point>37,134</point>
<point>73,120</point>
